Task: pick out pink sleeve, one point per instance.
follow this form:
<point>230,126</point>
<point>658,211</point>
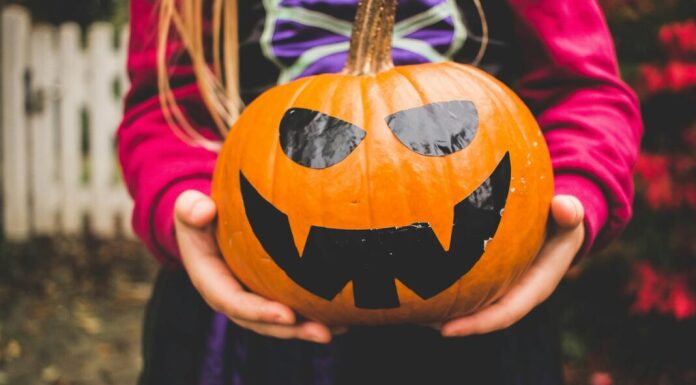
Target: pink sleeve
<point>590,118</point>
<point>157,165</point>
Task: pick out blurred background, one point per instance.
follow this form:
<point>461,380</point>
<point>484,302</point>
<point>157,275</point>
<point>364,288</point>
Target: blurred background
<point>74,281</point>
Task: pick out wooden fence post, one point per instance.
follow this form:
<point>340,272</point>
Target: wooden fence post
<point>42,129</point>
<point>15,31</point>
<point>126,203</point>
<point>103,118</point>
<point>71,83</point>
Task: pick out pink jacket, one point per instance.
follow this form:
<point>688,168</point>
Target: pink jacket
<point>570,80</point>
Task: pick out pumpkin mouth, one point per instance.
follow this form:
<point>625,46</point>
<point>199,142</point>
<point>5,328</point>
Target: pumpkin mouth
<point>374,258</point>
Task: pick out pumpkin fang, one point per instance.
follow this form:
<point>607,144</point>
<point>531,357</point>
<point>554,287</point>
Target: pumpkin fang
<point>374,258</point>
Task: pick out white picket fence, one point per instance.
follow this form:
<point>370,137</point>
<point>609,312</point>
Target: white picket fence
<point>60,110</point>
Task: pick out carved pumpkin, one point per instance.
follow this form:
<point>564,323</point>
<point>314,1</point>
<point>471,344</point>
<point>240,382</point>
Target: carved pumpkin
<point>383,194</point>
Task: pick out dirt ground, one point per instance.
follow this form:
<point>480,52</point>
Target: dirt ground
<point>71,311</point>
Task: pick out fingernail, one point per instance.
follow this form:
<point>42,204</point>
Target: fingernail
<point>199,207</point>
<point>315,338</point>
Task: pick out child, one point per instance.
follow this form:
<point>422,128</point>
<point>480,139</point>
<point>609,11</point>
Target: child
<point>203,328</point>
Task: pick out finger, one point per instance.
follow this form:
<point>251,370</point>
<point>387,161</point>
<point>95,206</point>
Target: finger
<point>194,241</point>
<point>212,278</point>
<point>567,211</point>
<point>535,286</point>
<point>241,304</point>
<point>194,208</point>
<point>309,331</point>
<point>498,316</point>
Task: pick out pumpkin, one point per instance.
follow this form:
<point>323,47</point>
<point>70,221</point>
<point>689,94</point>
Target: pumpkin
<point>383,194</point>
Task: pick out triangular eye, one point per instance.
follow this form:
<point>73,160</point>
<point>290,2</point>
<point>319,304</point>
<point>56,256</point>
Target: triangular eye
<point>436,129</point>
<point>313,139</point>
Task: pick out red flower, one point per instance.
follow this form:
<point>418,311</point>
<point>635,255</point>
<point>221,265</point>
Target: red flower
<point>681,300</point>
<point>667,180</point>
<point>679,76</point>
<point>676,76</point>
<point>601,378</point>
<point>679,39</point>
<point>659,189</point>
<point>651,166</point>
<point>662,292</point>
<point>649,289</point>
<point>651,78</point>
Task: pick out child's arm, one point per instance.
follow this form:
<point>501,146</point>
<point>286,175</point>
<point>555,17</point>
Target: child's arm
<point>590,118</point>
<point>591,122</point>
<point>161,170</point>
<point>158,166</point>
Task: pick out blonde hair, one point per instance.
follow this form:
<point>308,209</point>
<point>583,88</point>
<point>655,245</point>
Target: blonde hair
<point>219,85</point>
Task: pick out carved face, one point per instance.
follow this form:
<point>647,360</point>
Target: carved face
<point>398,197</point>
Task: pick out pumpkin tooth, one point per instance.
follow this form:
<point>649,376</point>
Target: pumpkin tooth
<point>443,228</point>
<point>300,230</point>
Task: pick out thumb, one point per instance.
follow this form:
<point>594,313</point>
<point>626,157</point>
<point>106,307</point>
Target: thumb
<point>193,208</point>
<point>567,211</point>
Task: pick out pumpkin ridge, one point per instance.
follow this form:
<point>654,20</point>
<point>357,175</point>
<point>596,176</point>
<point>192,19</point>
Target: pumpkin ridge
<point>423,100</point>
<point>334,85</point>
<point>455,298</point>
<point>453,199</point>
<point>518,127</point>
<point>256,111</point>
<point>366,162</point>
<point>506,107</point>
<point>413,84</point>
<point>257,275</point>
<point>458,81</point>
<point>465,83</point>
<point>398,71</point>
<point>485,81</point>
<point>455,80</point>
<point>492,293</point>
<point>290,103</point>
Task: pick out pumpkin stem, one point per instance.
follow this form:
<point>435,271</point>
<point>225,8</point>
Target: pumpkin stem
<point>371,39</point>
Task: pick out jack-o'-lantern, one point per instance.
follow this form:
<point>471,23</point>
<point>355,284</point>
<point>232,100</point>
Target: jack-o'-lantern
<point>383,194</point>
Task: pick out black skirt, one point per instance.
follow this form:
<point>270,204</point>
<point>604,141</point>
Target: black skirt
<point>178,324</point>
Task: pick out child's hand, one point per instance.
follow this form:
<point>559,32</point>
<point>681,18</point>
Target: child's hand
<point>562,244</point>
<point>193,216</point>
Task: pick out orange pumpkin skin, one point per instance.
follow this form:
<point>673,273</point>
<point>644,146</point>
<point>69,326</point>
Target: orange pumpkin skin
<point>384,184</point>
